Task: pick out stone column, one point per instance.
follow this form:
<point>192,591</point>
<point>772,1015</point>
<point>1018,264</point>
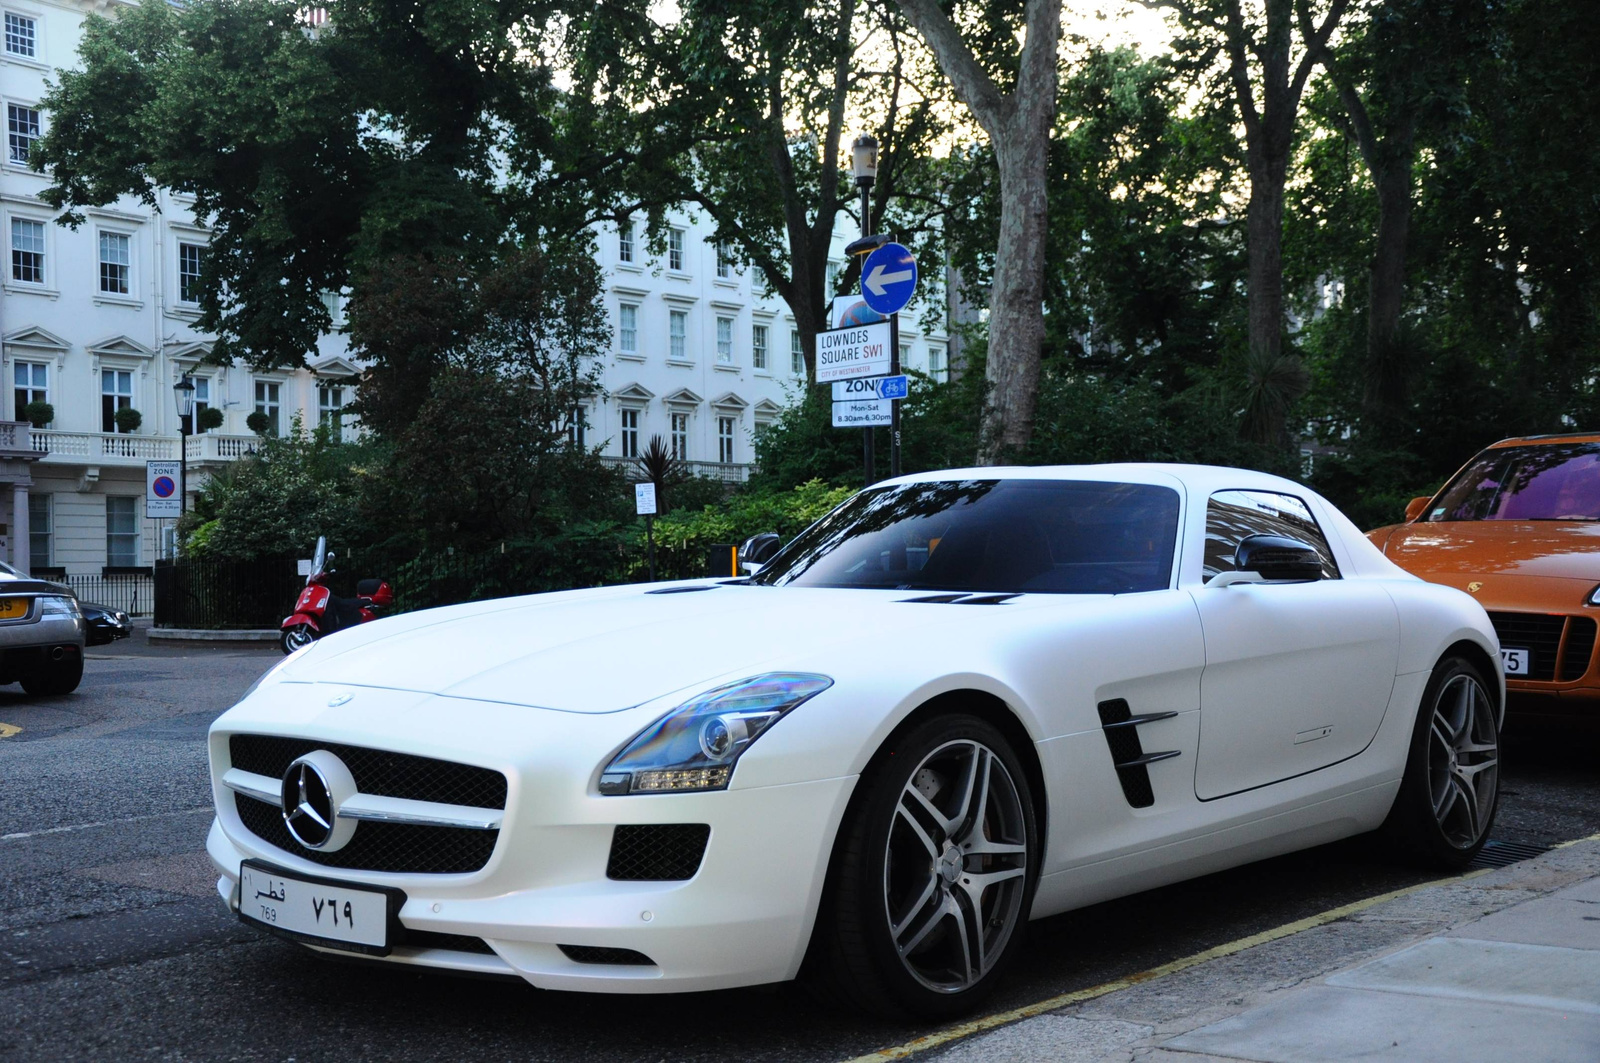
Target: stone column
<point>19,527</point>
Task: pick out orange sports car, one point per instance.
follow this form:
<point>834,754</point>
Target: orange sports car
<point>1519,529</point>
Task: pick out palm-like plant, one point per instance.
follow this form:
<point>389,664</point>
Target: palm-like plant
<point>661,468</point>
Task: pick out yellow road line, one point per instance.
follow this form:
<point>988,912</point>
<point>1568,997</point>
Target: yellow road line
<point>8,729</point>
<point>1028,1011</point>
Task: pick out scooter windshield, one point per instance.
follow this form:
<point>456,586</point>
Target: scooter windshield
<point>319,558</point>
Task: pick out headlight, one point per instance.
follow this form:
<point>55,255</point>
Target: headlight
<point>1594,597</point>
<point>695,746</point>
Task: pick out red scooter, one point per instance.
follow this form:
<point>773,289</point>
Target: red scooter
<point>318,612</point>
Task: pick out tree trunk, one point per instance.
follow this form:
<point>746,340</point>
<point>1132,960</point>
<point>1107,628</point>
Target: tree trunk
<point>1385,396</point>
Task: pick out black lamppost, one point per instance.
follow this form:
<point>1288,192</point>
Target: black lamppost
<point>864,168</point>
<point>184,390</point>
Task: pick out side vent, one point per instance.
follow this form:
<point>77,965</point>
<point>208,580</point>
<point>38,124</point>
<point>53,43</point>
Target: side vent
<point>1127,754</point>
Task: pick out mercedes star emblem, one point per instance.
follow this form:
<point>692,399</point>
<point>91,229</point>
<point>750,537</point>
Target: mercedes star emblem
<point>339,699</point>
<point>308,809</point>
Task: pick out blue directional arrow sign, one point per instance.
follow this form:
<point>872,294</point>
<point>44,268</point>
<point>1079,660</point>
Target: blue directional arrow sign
<point>888,278</point>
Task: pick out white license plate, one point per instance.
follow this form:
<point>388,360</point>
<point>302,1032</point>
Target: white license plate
<point>329,911</point>
<point>1516,662</point>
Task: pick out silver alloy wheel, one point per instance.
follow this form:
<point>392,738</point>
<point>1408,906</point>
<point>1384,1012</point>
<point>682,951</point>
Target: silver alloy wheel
<point>955,866</point>
<point>1463,761</point>
<point>297,637</point>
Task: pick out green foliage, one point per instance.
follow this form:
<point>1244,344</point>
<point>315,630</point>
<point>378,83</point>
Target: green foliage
<point>685,537</point>
<point>39,413</point>
<point>258,421</point>
<point>209,419</point>
<point>127,419</point>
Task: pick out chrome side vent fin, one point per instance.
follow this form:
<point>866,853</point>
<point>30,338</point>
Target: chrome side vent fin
<point>1121,729</point>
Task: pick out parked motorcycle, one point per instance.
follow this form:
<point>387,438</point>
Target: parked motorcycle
<point>320,612</point>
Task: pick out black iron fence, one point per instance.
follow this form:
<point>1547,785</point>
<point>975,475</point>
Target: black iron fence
<point>225,594</point>
<point>132,592</point>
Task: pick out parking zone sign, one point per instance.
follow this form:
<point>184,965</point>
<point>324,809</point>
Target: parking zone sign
<point>162,497</point>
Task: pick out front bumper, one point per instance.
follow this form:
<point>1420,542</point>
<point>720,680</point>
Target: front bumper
<point>1562,648</point>
<point>744,918</point>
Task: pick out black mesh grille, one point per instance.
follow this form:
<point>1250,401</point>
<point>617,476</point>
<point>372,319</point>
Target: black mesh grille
<point>401,848</point>
<point>1125,746</point>
<point>667,852</point>
<point>1580,647</point>
<point>428,939</point>
<point>600,954</point>
<point>1537,633</point>
<point>377,771</point>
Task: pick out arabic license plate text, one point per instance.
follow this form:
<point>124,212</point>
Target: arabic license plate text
<point>1516,662</point>
<point>13,608</point>
<point>337,913</point>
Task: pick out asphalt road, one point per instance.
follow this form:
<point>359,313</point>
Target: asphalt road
<point>113,943</point>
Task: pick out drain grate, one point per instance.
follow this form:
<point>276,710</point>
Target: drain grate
<point>1503,854</point>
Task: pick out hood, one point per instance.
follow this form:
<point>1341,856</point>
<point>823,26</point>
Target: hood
<point>1543,564</point>
<point>601,651</point>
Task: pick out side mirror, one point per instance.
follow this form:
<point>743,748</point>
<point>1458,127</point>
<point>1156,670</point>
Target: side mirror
<point>1277,557</point>
<point>757,550</point>
<point>1415,507</point>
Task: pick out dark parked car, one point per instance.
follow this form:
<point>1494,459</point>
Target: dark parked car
<point>101,623</point>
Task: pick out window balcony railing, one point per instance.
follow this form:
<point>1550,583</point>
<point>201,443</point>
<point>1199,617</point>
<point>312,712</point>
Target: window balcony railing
<point>96,448</point>
<point>213,446</point>
<point>730,472</point>
<point>15,438</point>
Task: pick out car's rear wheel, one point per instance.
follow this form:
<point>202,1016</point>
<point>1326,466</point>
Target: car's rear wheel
<point>934,872</point>
<point>54,676</point>
<point>1447,801</point>
<point>297,637</point>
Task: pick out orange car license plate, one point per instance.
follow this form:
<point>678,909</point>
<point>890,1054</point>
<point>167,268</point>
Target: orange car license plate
<point>13,608</point>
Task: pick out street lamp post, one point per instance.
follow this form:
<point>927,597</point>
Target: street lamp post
<point>183,390</point>
<point>864,167</point>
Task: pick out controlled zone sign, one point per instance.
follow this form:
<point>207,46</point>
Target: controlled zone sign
<point>857,351</point>
<point>161,491</point>
<point>863,413</point>
<point>878,387</point>
<point>888,278</point>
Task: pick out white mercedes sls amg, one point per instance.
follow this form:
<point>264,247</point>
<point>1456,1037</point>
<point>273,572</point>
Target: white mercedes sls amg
<point>960,701</point>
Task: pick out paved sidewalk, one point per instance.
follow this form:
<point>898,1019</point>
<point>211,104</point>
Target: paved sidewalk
<point>1498,966</point>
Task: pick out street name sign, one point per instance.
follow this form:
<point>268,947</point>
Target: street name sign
<point>862,413</point>
<point>878,387</point>
<point>858,351</point>
<point>889,278</point>
<point>644,499</point>
<point>161,495</point>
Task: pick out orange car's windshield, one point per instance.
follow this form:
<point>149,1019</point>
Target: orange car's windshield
<point>1556,481</point>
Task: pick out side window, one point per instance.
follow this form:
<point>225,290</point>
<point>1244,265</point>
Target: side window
<point>1234,515</point>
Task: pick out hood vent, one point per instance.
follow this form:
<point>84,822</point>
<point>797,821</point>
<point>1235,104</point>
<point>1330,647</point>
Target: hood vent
<point>962,599</point>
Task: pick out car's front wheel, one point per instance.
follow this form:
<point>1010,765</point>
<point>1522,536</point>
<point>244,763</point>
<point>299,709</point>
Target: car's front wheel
<point>933,874</point>
<point>1447,800</point>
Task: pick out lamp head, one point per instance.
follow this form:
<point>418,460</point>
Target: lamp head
<point>864,160</point>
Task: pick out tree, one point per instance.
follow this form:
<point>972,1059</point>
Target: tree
<point>1264,80</point>
<point>1017,123</point>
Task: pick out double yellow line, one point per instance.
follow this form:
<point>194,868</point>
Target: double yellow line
<point>1028,1011</point>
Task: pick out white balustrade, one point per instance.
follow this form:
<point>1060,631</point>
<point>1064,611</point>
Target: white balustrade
<point>14,436</point>
<point>92,448</point>
<point>212,446</point>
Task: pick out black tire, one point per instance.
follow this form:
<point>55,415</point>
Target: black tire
<point>50,678</point>
<point>882,862</point>
<point>1445,809</point>
<point>297,637</point>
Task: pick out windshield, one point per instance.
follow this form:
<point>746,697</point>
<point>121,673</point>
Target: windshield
<point>1005,536</point>
<point>1557,481</point>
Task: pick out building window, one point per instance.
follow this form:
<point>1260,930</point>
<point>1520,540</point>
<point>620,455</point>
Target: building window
<point>628,328</point>
<point>835,271</point>
<point>202,401</point>
<point>114,260</point>
<point>905,356</point>
<point>724,262</point>
<point>758,346</point>
<point>680,436</point>
<point>116,393</point>
<point>725,440</point>
<point>22,127</point>
<point>936,367</point>
<point>22,36</point>
<point>330,407</point>
<point>122,531</point>
<point>31,380</point>
<point>189,274</point>
<point>267,402</point>
<point>27,251</point>
<point>675,250</point>
<point>625,242</point>
<point>630,433</point>
<point>577,426</point>
<point>725,340</point>
<point>38,532</point>
<point>677,335</point>
<point>797,354</point>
